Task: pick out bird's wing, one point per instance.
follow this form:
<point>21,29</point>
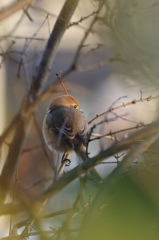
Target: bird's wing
<point>67,131</point>
<point>63,123</point>
<point>83,135</point>
<point>66,135</point>
<point>64,132</point>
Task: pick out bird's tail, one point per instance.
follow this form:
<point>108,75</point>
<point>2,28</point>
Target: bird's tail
<point>93,172</point>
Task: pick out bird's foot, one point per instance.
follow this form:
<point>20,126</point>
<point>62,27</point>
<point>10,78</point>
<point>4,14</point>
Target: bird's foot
<point>68,162</point>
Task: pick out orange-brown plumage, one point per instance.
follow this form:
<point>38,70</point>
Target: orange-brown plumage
<point>65,129</point>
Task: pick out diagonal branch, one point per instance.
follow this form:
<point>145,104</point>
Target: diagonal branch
<point>143,135</point>
<point>25,116</point>
<point>9,129</point>
<point>45,65</point>
<point>135,101</point>
<point>142,139</point>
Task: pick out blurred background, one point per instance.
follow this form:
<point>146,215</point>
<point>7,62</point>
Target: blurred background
<point>117,63</point>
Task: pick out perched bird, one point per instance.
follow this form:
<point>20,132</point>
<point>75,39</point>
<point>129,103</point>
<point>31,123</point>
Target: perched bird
<point>65,128</point>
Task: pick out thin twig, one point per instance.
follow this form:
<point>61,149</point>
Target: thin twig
<point>13,7</point>
<point>42,73</point>
<point>43,68</point>
<point>77,54</point>
<point>59,77</point>
<point>45,94</point>
<point>115,148</point>
<point>37,8</point>
<point>82,19</point>
<point>27,14</point>
<point>6,53</point>
<point>44,202</point>
<point>99,64</point>
<point>113,178</point>
<point>65,227</point>
<point>124,105</point>
<point>57,213</point>
<point>32,220</point>
<point>110,134</point>
<point>27,44</point>
<point>98,136</point>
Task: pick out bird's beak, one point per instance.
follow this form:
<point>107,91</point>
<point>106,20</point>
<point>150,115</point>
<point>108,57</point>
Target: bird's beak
<point>81,110</point>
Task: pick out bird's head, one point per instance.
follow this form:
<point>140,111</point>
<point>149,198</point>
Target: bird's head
<point>64,100</point>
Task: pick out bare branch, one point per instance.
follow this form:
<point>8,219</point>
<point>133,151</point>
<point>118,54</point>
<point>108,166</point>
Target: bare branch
<point>9,129</point>
<point>6,53</point>
<point>44,67</point>
<point>13,7</point>
<point>27,14</point>
<point>82,19</point>
<point>111,109</point>
<point>59,75</point>
<point>26,111</point>
<point>144,135</point>
<point>110,134</point>
<point>135,101</point>
<point>14,154</point>
<point>99,64</point>
<point>77,54</point>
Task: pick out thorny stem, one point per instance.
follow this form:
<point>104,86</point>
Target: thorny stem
<point>124,105</point>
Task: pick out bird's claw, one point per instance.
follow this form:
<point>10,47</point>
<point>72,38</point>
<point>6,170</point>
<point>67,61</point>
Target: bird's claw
<point>68,162</point>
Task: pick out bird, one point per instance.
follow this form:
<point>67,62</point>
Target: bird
<point>65,128</point>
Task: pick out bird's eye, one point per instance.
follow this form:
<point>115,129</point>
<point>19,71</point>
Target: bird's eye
<point>75,106</point>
